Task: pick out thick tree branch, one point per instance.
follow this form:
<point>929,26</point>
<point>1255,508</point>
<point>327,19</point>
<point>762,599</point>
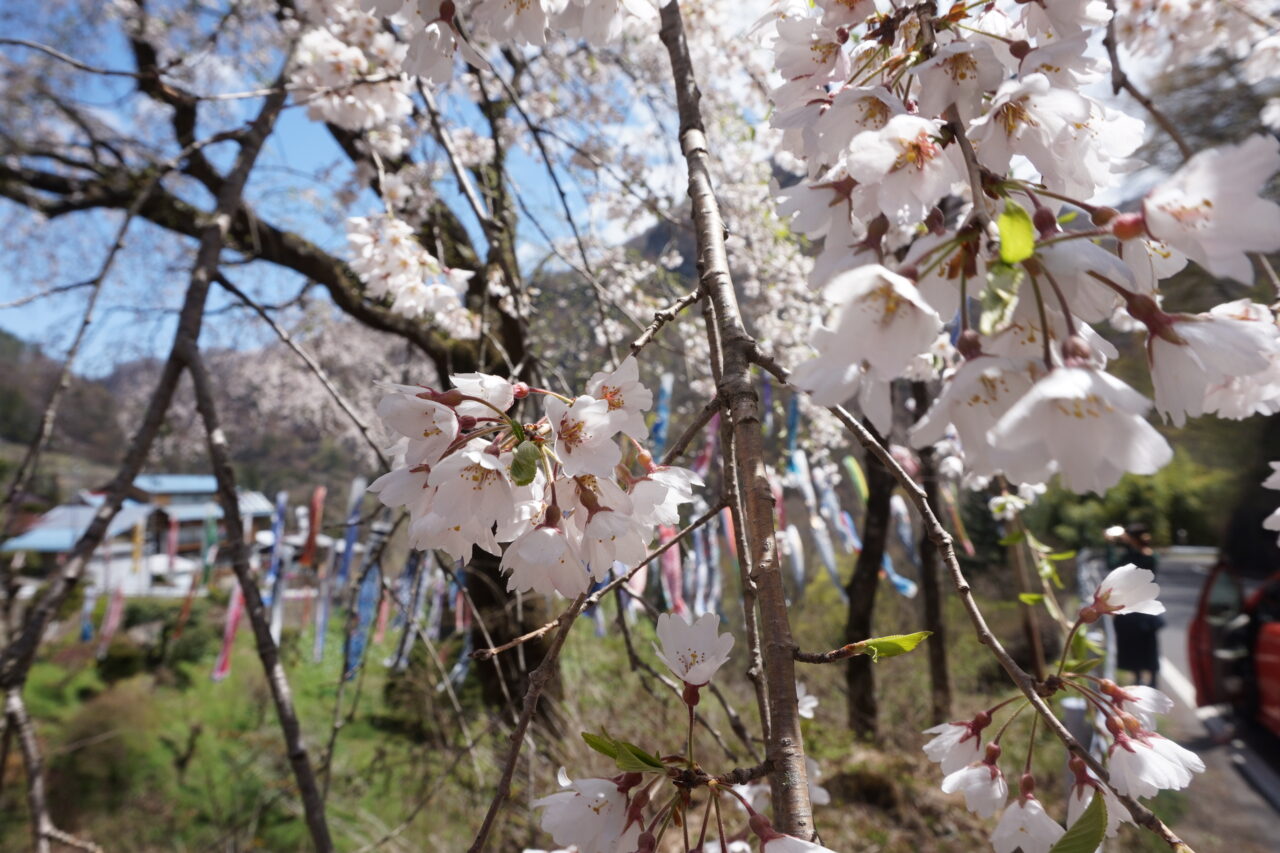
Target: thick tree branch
<point>784,742</point>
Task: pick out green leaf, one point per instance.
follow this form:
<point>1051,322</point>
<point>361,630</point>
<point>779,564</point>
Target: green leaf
<point>1031,598</point>
<point>632,758</point>
<point>1013,538</point>
<point>524,466</point>
<point>1017,234</point>
<point>1080,667</point>
<point>1060,556</point>
<point>892,645</point>
<point>1087,832</point>
<point>1069,216</point>
<point>602,744</point>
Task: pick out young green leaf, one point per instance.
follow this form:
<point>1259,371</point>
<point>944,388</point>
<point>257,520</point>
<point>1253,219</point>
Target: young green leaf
<point>1017,234</point>
<point>524,465</point>
<point>892,645</point>
<point>602,744</point>
<point>1087,832</point>
<point>1013,538</point>
<point>1082,665</point>
<point>632,758</point>
<point>1031,598</point>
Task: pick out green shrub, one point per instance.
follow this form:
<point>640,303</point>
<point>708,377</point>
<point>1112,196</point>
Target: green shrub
<point>124,659</point>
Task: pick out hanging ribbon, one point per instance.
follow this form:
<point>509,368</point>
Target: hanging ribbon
<point>950,500</point>
<point>766,403</point>
<point>439,591</point>
<point>86,614</point>
<point>902,527</point>
<point>418,576</point>
<point>730,535</point>
<point>702,464</point>
<point>208,549</point>
<point>856,478</point>
<point>701,572</point>
<point>822,538</point>
<point>111,621</point>
<point>795,550</point>
<point>716,593</point>
<point>277,596</point>
<point>315,520</point>
<point>235,609</point>
<point>906,587</point>
<point>801,479</point>
<point>335,581</point>
<point>277,548</point>
<point>793,424</point>
<point>366,606</point>
<point>661,416</point>
<point>171,545</point>
<point>138,540</point>
<point>847,523</point>
<point>829,507</point>
<point>670,572</point>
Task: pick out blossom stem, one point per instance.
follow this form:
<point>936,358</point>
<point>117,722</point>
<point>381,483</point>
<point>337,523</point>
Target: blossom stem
<point>1044,321</point>
<point>964,302</point>
<point>689,754</point>
<point>1031,745</point>
<point>1074,235</point>
<point>1066,648</point>
<point>1062,301</point>
<point>562,398</point>
<point>1011,718</point>
<point>714,792</point>
<point>706,823</point>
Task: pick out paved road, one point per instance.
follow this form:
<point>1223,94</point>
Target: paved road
<point>1235,804</point>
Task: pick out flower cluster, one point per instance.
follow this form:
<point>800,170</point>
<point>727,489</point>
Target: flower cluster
<point>393,264</point>
<point>1140,761</point>
<point>943,158</point>
<point>347,71</point>
<point>554,491</point>
<point>627,813</point>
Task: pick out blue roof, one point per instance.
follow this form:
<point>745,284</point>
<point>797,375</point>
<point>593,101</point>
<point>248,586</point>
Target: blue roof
<point>251,503</point>
<point>177,484</point>
<point>59,528</point>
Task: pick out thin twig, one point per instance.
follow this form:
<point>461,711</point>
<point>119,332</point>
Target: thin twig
<point>312,365</point>
<point>662,317</point>
<point>537,682</point>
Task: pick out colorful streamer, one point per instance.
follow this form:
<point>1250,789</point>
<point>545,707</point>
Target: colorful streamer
<point>334,582</point>
<point>417,576</point>
<point>827,551</point>
<point>315,520</point>
<point>856,478</point>
<point>901,517</point>
<point>906,587</point>
<point>672,586</point>
<point>795,551</point>
<point>222,667</point>
<point>277,548</point>
<point>366,606</point>
<point>661,416</point>
<point>111,621</point>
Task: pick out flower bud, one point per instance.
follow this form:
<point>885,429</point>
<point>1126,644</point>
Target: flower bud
<point>690,695</point>
<point>648,843</point>
<point>1075,352</point>
<point>450,398</point>
<point>993,753</point>
<point>1089,614</point>
<point>519,390</point>
<point>1102,215</point>
<point>466,423</point>
<point>1026,785</point>
<point>1020,49</point>
<point>1129,226</point>
<point>1045,221</point>
<point>969,344</point>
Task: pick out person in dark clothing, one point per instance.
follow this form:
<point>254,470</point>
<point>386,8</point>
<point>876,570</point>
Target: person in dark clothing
<point>1137,634</point>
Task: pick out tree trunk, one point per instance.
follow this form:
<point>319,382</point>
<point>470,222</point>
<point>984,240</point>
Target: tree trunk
<point>862,599</point>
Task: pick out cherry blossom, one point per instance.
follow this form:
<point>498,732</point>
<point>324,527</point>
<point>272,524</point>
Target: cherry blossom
<point>1027,827</point>
<point>584,431</point>
<point>592,816</point>
<point>904,167</point>
<point>1144,765</point>
<point>956,745</point>
<point>1087,421</point>
<point>624,393</point>
<point>692,651</point>
<point>983,785</point>
<point>1127,589</point>
<point>1210,210</point>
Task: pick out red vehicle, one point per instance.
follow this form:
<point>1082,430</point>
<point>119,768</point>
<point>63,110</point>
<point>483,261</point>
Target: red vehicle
<point>1234,646</point>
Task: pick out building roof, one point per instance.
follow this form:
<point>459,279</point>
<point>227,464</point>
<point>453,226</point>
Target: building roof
<point>59,528</point>
<point>176,484</point>
<point>251,503</point>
